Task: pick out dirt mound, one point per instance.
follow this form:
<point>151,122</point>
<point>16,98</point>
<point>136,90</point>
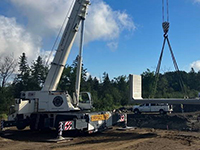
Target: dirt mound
<point>189,121</point>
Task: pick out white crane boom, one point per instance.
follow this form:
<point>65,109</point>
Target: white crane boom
<point>78,13</point>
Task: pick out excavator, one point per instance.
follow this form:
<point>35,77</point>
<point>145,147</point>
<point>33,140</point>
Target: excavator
<point>48,107</point>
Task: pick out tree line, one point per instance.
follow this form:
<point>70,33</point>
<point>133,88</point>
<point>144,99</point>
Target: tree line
<point>177,84</point>
<point>107,94</point>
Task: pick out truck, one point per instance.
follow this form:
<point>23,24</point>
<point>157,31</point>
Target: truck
<point>161,108</point>
<point>49,108</point>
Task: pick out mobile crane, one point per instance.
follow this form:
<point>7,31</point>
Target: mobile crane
<point>48,107</point>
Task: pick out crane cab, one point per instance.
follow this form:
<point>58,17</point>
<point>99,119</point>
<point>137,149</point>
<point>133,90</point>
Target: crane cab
<point>85,102</point>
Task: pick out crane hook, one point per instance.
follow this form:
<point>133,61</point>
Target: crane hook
<point>165,26</point>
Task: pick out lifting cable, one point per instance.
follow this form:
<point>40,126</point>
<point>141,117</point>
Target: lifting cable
<point>165,25</point>
<point>163,10</point>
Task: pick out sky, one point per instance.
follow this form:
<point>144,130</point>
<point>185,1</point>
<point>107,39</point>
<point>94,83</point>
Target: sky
<point>122,37</point>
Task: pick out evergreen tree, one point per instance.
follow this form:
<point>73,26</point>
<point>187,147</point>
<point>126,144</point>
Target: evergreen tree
<point>21,82</point>
<point>23,67</point>
<point>122,84</point>
<point>148,84</point>
<point>66,83</point>
<point>6,99</point>
<point>106,85</point>
<point>38,74</point>
<point>68,78</point>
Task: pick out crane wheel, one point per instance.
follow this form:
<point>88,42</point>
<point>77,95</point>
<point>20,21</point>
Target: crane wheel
<point>136,111</point>
<point>21,124</point>
<point>162,112</point>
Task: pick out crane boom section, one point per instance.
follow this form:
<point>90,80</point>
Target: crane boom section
<point>78,13</point>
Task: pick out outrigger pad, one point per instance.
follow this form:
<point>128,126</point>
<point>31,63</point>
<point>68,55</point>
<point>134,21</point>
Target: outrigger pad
<point>2,125</point>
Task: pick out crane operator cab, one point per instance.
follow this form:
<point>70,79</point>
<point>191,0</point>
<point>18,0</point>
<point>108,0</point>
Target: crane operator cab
<point>85,102</point>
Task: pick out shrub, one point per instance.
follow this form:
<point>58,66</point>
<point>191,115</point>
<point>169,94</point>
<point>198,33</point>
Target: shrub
<point>3,116</point>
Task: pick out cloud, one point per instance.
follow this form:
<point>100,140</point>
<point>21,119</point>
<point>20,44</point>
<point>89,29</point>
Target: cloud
<point>125,21</point>
<point>40,20</point>
<point>101,23</point>
<point>105,24</point>
<point>195,65</point>
<point>14,39</point>
<point>45,18</point>
<point>112,45</point>
<point>197,1</point>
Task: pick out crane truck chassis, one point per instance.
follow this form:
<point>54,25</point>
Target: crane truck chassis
<point>48,108</point>
<point>90,122</point>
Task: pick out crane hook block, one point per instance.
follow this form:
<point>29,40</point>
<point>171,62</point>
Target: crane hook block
<point>165,26</point>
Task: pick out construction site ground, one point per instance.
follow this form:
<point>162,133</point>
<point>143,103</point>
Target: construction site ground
<point>151,132</point>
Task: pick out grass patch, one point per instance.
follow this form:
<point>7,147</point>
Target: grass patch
<point>3,116</point>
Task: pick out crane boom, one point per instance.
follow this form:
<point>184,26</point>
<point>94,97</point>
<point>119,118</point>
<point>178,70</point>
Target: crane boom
<point>78,13</point>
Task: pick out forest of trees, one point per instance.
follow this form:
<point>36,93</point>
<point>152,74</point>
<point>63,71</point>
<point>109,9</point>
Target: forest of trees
<point>107,94</point>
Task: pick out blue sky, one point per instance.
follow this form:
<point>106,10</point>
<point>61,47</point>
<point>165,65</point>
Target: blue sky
<point>122,37</point>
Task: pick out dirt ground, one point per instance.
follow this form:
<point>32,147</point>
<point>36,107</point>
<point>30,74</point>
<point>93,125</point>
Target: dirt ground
<point>141,138</point>
<point>138,139</point>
